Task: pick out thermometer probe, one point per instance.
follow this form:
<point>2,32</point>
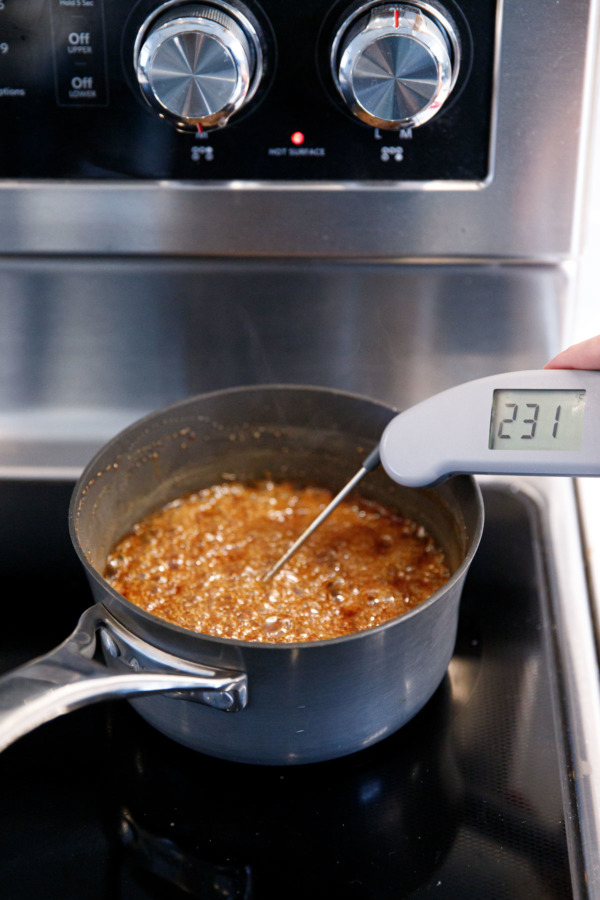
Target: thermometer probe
<point>543,422</point>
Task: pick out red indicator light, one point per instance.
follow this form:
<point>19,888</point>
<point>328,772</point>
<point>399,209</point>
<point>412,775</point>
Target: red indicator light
<point>396,18</point>
<point>297,138</point>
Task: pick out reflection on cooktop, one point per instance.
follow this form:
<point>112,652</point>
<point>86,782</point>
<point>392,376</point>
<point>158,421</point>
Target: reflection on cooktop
<point>464,802</point>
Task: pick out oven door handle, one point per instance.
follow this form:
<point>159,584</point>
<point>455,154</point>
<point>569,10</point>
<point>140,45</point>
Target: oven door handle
<point>69,677</point>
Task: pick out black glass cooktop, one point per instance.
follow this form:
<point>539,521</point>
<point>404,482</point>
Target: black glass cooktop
<point>470,800</point>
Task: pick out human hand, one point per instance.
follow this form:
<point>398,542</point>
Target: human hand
<point>585,355</point>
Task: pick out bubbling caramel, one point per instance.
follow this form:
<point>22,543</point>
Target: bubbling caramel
<point>198,563</point>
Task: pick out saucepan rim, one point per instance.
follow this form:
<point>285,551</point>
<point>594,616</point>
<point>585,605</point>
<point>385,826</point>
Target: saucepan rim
<point>91,469</point>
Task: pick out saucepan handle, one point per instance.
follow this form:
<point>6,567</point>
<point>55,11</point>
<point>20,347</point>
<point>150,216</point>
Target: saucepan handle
<point>69,677</point>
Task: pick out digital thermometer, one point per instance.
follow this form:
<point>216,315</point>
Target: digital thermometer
<point>544,422</point>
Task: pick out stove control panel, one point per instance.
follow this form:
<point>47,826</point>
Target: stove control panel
<point>237,90</point>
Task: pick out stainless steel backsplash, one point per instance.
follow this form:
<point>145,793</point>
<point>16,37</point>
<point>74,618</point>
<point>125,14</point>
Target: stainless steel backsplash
<point>87,346</point>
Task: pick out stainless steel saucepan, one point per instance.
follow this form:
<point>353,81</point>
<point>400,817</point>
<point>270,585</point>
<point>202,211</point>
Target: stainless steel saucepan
<point>245,701</point>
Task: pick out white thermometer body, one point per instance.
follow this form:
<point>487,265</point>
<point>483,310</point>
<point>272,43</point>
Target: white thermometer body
<point>543,422</point>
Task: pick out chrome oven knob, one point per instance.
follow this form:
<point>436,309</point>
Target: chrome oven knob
<point>395,66</point>
<point>198,64</point>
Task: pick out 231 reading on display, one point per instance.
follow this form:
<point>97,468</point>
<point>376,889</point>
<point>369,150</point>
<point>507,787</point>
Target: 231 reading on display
<point>537,420</point>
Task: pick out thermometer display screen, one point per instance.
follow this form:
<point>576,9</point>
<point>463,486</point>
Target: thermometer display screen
<point>537,420</point>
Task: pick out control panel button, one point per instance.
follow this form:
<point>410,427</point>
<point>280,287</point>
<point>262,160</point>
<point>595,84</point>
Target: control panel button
<point>396,65</point>
<point>78,43</point>
<point>198,64</point>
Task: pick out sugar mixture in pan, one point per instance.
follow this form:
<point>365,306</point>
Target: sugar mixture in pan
<point>198,563</point>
